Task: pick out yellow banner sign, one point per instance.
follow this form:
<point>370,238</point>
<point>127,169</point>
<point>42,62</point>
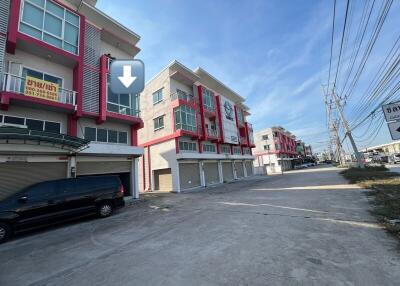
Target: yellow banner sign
<point>41,89</point>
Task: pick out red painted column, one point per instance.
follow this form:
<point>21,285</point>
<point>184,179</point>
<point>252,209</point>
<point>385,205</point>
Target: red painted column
<point>134,138</point>
<point>72,126</point>
<point>149,165</point>
<point>219,114</point>
<point>103,90</point>
<point>13,26</point>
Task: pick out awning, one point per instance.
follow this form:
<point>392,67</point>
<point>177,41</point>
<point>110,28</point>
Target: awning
<point>8,135</point>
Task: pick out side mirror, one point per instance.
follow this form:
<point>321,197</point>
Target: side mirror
<point>23,199</point>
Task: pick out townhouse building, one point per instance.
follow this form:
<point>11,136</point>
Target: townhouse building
<point>196,133</point>
<point>275,150</point>
<point>58,118</point>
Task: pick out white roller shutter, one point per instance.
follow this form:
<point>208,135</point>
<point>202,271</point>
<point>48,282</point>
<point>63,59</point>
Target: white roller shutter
<point>97,168</point>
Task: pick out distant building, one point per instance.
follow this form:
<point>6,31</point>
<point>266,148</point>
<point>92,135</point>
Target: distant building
<point>275,150</point>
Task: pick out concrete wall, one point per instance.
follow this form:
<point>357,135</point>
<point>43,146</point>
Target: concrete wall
<point>40,64</point>
<point>150,111</point>
<point>107,48</point>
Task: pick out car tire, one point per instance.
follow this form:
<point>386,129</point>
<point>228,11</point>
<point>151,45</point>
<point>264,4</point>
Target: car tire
<point>105,209</point>
<point>5,232</point>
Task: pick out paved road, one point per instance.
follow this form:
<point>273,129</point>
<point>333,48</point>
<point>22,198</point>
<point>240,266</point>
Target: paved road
<point>307,227</point>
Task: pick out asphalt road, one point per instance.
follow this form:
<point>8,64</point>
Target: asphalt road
<point>307,227</point>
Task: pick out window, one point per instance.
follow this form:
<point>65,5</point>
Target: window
<point>40,75</point>
<point>185,118</point>
<point>157,96</point>
<point>240,115</point>
<point>183,95</point>
<point>158,123</point>
<point>277,147</point>
<point>237,151</point>
<point>47,21</point>
<point>266,147</point>
<point>265,137</point>
<point>246,151</point>
<point>31,124</point>
<point>127,104</point>
<point>225,149</point>
<point>106,135</point>
<point>208,99</point>
<point>209,148</point>
<point>187,146</point>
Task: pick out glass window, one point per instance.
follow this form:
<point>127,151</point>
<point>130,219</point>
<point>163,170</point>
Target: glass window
<point>101,135</point>
<point>1,118</point>
<point>112,136</point>
<point>53,25</point>
<point>90,133</point>
<point>158,123</point>
<point>187,146</point>
<point>40,75</point>
<point>41,191</point>
<point>14,120</point>
<point>185,118</point>
<point>60,27</point>
<point>32,15</point>
<point>157,96</point>
<point>123,137</point>
<point>52,127</point>
<point>33,124</point>
<point>208,99</point>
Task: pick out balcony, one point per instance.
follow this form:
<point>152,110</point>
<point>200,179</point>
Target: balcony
<point>13,87</point>
<point>243,140</point>
<point>182,96</point>
<point>123,104</point>
<point>212,133</point>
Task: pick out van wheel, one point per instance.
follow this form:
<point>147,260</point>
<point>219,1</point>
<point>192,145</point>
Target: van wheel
<point>105,209</point>
<point>5,232</point>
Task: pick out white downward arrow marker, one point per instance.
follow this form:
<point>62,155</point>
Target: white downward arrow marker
<point>127,79</point>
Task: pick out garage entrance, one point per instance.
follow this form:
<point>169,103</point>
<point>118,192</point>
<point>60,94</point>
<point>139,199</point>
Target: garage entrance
<point>18,175</point>
<point>211,174</point>
<point>249,168</point>
<point>163,180</point>
<point>121,169</point>
<point>189,175</point>
<point>239,169</point>
<point>227,171</point>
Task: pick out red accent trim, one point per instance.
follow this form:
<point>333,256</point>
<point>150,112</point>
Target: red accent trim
<point>134,141</point>
<point>219,113</point>
<point>136,121</point>
<point>6,97</point>
<point>72,129</point>
<point>200,146</point>
<point>236,118</point>
<point>103,90</point>
<point>177,145</point>
<point>144,172</point>
<point>13,26</point>
<point>201,107</point>
<point>149,165</point>
<point>176,134</point>
<point>177,102</point>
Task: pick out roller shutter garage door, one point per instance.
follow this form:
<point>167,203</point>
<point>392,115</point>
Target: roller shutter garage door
<point>239,169</point>
<point>211,174</point>
<point>189,175</point>
<point>227,171</point>
<point>249,168</point>
<point>163,180</point>
<point>98,168</point>
<point>17,175</point>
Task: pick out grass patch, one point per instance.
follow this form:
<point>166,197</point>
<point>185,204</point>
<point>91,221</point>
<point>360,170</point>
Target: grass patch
<point>385,192</point>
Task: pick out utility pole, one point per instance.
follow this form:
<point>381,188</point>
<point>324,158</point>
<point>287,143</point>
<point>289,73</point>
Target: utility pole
<point>339,149</point>
<point>360,163</point>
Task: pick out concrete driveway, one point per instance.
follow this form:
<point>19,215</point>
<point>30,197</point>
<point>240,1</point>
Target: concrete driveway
<point>307,227</point>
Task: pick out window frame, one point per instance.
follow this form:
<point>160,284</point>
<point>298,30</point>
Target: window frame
<point>187,114</point>
<point>158,121</point>
<point>107,135</point>
<point>214,147</point>
<point>189,143</point>
<point>42,30</point>
<point>3,116</point>
<point>43,73</point>
<point>158,92</point>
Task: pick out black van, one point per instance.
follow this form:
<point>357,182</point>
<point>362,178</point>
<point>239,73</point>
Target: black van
<point>55,201</point>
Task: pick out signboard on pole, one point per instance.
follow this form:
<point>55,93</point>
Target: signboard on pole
<point>391,111</point>
<point>394,128</point>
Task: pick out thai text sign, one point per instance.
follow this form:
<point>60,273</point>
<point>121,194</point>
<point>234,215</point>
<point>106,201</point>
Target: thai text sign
<point>41,89</point>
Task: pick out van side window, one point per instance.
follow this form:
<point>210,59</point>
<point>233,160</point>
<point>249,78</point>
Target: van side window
<point>41,191</point>
<point>65,187</point>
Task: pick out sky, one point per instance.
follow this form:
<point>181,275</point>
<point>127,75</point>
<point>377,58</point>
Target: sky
<point>274,53</point>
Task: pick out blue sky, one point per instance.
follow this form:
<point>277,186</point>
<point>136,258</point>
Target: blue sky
<point>273,53</point>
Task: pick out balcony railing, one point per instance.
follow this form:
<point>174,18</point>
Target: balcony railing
<point>183,96</point>
<point>212,132</point>
<point>14,83</point>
